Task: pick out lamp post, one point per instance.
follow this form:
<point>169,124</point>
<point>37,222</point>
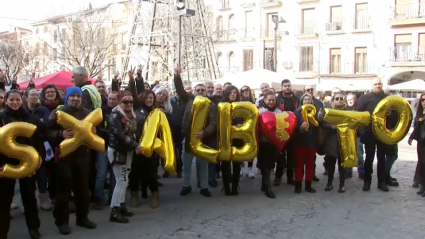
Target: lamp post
<point>276,20</point>
<point>182,12</point>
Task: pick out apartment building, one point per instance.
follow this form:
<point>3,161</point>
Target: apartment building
<point>328,43</point>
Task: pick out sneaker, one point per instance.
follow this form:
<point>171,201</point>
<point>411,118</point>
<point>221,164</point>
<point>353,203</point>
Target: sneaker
<point>206,192</point>
<point>185,191</point>
<point>13,206</point>
<point>250,174</point>
<point>212,184</point>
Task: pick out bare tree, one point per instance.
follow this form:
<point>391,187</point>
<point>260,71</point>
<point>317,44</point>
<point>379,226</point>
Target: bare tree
<point>85,39</point>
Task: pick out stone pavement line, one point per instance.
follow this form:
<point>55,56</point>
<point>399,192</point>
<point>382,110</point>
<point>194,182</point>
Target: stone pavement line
<point>397,214</point>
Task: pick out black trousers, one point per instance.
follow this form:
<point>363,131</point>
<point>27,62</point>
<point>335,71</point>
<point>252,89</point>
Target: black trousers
<point>178,147</point>
<point>72,176</point>
<point>286,159</point>
<point>227,175</point>
<point>143,173</point>
<point>7,191</point>
<point>266,158</point>
<point>93,173</point>
<point>51,173</point>
<point>380,150</point>
<point>421,162</point>
<point>330,166</point>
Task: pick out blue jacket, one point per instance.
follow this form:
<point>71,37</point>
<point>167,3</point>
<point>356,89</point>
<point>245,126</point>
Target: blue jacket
<point>41,112</point>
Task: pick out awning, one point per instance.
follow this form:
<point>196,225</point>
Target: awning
<point>345,84</point>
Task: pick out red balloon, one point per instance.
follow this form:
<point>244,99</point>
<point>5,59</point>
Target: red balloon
<point>277,127</point>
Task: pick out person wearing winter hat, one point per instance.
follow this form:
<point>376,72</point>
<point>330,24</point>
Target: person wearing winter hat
<point>73,169</point>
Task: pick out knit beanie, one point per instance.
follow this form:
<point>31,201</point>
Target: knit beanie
<point>72,90</point>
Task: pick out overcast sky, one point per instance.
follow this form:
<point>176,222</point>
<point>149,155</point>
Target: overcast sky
<point>22,12</point>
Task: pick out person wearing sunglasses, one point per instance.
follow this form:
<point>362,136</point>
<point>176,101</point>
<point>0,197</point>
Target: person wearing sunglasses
<point>206,135</point>
<point>246,95</point>
<point>331,146</point>
<point>319,108</point>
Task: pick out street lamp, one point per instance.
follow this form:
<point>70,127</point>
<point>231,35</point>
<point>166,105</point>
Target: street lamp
<point>182,12</point>
<point>276,20</point>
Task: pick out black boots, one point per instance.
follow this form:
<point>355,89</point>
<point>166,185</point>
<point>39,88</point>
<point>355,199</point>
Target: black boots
<point>116,216</point>
<point>421,191</point>
<point>308,187</point>
<point>298,187</point>
<point>124,211</point>
<point>235,178</point>
<point>34,234</point>
<point>341,187</point>
<point>266,184</point>
<point>391,181</point>
<point>225,172</point>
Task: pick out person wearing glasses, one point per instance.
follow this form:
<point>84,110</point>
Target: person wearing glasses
<point>319,107</point>
<point>368,102</point>
<point>286,101</point>
<point>206,135</point>
<point>331,146</point>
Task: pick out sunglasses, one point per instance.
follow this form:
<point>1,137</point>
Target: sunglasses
<point>311,89</point>
<point>422,100</point>
<point>244,90</point>
<point>339,98</point>
<point>127,102</point>
<point>200,90</point>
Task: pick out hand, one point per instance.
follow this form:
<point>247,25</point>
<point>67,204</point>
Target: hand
<point>178,70</point>
<point>100,76</point>
<point>333,126</point>
<point>32,78</point>
<point>199,136</point>
<point>68,133</point>
<point>320,113</point>
<point>131,73</point>
<point>410,142</point>
<point>303,126</point>
<point>139,71</point>
<point>239,125</point>
<point>94,130</point>
<point>138,150</point>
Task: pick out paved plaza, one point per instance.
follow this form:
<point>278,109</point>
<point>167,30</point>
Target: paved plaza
<point>398,214</point>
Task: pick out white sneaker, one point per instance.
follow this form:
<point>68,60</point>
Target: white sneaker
<point>13,206</point>
<point>250,174</point>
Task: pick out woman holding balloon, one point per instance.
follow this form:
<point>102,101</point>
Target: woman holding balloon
<point>332,148</point>
<point>14,112</point>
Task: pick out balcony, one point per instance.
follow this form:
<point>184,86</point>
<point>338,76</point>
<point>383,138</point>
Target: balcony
<point>225,6</point>
<point>307,1</point>
<point>308,29</point>
<point>270,3</point>
<point>248,34</point>
<point>224,36</point>
<point>334,27</point>
<point>361,24</point>
<point>349,69</point>
<point>248,3</point>
<point>407,14</point>
<point>407,57</point>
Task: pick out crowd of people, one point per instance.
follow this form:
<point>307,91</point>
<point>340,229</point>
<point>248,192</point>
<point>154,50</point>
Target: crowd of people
<point>68,185</point>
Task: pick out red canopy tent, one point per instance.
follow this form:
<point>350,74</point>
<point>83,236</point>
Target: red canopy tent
<point>61,79</point>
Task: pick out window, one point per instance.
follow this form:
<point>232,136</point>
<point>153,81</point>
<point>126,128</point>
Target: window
<point>422,46</point>
<point>361,60</point>
<point>269,59</point>
<point>232,28</point>
<point>362,16</point>
<point>403,46</point>
<point>308,22</point>
<point>225,4</point>
<point>249,24</point>
<point>248,60</point>
<point>219,58</point>
<point>335,23</point>
<point>231,60</point>
<point>219,27</point>
<point>335,60</point>
<point>306,58</point>
<point>270,25</point>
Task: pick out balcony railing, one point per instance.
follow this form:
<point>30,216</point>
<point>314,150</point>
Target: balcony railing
<point>408,11</point>
<point>351,68</point>
<point>407,55</point>
<point>249,33</point>
<point>224,36</point>
<point>334,25</point>
<point>309,27</point>
<point>361,23</point>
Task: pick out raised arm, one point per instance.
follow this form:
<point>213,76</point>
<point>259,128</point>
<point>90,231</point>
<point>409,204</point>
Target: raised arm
<point>178,83</point>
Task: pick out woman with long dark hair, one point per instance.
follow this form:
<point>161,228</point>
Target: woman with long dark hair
<point>247,95</point>
<point>231,95</point>
<point>50,97</point>
<point>418,134</point>
<point>14,112</point>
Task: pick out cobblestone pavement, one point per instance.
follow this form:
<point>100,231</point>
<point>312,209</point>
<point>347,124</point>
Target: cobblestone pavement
<point>399,213</point>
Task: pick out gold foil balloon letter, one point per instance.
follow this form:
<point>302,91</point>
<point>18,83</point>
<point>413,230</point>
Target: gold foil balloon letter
<point>155,124</point>
<point>308,113</point>
<point>83,130</point>
<point>200,109</point>
<point>379,116</point>
<point>247,132</point>
<point>29,159</point>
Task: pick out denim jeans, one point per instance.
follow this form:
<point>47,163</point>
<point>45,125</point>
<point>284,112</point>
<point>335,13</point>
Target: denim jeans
<point>102,165</point>
<point>389,161</point>
<point>201,168</point>
<point>42,179</point>
<point>212,171</point>
<point>360,158</point>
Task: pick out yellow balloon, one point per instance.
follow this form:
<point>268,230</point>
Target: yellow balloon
<point>247,132</point>
<point>308,113</point>
<point>224,129</point>
<point>346,123</point>
<point>200,109</point>
<point>157,123</point>
<point>83,130</point>
<point>29,159</point>
<point>379,116</point>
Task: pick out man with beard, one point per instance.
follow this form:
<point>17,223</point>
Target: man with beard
<point>286,101</point>
<point>351,105</point>
<point>72,171</point>
<point>101,88</point>
<point>206,135</point>
<point>102,162</point>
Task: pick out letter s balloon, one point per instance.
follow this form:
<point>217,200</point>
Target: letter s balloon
<point>29,159</point>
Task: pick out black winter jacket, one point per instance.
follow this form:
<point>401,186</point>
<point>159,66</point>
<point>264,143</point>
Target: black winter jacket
<point>118,136</point>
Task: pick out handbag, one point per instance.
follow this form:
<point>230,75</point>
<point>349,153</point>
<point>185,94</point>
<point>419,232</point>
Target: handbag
<point>120,158</point>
